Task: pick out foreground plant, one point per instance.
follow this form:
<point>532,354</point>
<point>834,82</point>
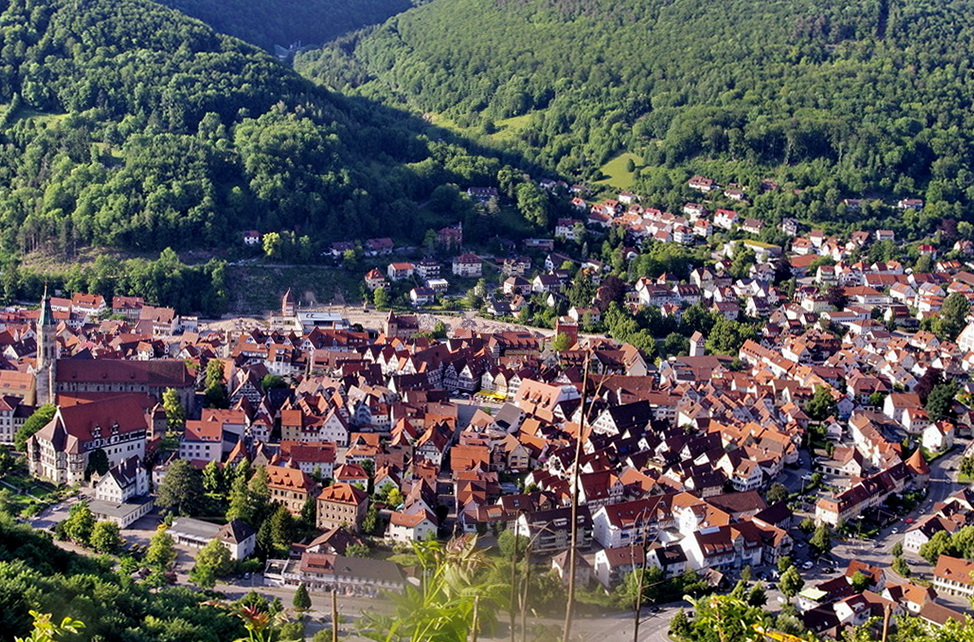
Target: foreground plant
<point>452,600</point>
<point>47,631</point>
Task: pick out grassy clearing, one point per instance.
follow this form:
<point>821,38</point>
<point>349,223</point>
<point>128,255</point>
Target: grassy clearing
<point>508,129</point>
<point>28,495</point>
<point>446,123</point>
<point>616,174</point>
<point>28,113</point>
<point>111,157</point>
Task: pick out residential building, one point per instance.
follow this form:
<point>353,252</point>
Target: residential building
<point>342,505</point>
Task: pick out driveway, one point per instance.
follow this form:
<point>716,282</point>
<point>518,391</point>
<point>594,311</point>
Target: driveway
<point>54,514</point>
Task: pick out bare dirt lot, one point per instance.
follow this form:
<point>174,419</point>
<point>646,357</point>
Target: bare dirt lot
<point>375,319</point>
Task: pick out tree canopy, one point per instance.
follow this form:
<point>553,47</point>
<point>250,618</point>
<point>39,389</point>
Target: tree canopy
<point>713,87</point>
<point>37,575</point>
<point>38,419</point>
<point>181,489</point>
<point>144,129</point>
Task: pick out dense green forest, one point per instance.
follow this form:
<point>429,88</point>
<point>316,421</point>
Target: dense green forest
<point>282,22</point>
<point>35,574</point>
<point>126,124</point>
<point>834,99</point>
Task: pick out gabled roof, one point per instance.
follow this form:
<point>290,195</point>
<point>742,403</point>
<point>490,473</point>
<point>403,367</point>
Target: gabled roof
<point>342,493</point>
<point>336,539</point>
<point>157,373</point>
<point>917,463</point>
<point>289,479</point>
<point>126,473</point>
<point>235,532</point>
<point>75,425</point>
<point>953,569</point>
<point>411,520</point>
<point>940,615</point>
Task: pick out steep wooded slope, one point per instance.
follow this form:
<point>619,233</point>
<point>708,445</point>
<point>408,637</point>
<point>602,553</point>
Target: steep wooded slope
<point>837,99</point>
<point>127,124</point>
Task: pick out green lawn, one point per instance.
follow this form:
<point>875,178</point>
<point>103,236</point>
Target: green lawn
<point>616,174</point>
<point>446,123</point>
<point>23,504</point>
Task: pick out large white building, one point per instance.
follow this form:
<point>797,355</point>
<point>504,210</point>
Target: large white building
<point>117,426</point>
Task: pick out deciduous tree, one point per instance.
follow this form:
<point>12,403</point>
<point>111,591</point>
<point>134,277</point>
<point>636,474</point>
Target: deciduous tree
<point>821,539</point>
<point>791,582</point>
<point>777,493</point>
<point>822,404</point>
<point>173,407</point>
<point>940,401</point>
<point>212,562</point>
<point>952,318</point>
<point>105,537</point>
<point>161,552</point>
<point>80,523</point>
<point>37,420</point>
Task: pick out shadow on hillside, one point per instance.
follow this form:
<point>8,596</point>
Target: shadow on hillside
<point>384,115</point>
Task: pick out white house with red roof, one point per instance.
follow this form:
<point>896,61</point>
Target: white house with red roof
<point>407,527</point>
<point>702,184</point>
<point>399,271</point>
<point>202,442</point>
<point>374,280</point>
<point>565,228</point>
<point>725,219</point>
<point>468,265</point>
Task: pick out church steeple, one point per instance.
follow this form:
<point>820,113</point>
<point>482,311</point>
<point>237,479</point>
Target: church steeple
<point>45,366</point>
<point>47,316</point>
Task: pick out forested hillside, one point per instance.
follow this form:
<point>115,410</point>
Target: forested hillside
<point>126,124</point>
<point>282,22</point>
<point>833,98</point>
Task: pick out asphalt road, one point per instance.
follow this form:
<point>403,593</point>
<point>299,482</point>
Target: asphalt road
<point>52,515</point>
<point>614,627</point>
<point>877,551</point>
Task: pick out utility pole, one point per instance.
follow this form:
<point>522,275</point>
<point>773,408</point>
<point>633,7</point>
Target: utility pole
<point>517,525</point>
<point>642,581</point>
<point>334,615</point>
<point>885,622</point>
<point>573,547</point>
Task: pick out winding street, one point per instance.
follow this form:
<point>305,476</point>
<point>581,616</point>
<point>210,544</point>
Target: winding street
<point>878,550</point>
